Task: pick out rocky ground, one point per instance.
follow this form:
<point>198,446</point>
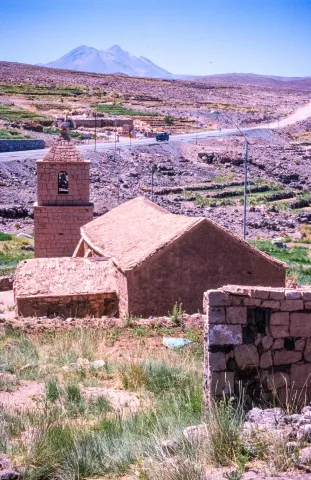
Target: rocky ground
<point>200,180</point>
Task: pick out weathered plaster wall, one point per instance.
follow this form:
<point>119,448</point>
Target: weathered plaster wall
<point>204,258</point>
<point>17,145</point>
<point>57,229</point>
<point>258,339</point>
<point>67,306</point>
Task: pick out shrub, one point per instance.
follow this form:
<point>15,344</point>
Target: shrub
<point>176,314</point>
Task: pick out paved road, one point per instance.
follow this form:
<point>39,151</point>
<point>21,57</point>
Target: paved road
<point>301,114</point>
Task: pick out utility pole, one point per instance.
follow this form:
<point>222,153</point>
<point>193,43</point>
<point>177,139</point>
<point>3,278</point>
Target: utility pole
<point>154,167</point>
<point>196,135</point>
<point>115,138</point>
<point>245,187</point>
<point>119,173</point>
<point>95,115</point>
<point>245,168</point>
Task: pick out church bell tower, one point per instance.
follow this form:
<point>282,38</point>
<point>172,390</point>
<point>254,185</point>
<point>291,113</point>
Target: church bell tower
<point>63,206</point>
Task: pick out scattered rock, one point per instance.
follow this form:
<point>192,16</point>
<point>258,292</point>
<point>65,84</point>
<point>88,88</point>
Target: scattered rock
<point>305,455</point>
<point>170,447</point>
<point>9,475</point>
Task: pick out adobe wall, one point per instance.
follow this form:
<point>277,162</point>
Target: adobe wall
<point>258,339</point>
<point>84,250</point>
<point>57,229</point>
<point>204,258</point>
<point>78,306</point>
<point>78,183</point>
<point>102,122</point>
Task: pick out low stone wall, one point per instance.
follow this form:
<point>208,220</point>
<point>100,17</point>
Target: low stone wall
<point>78,306</point>
<point>259,340</point>
<point>17,145</point>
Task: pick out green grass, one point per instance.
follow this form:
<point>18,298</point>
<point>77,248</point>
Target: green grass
<point>297,259</point>
<point>11,253</point>
<point>15,114</point>
<point>120,110</point>
<point>5,236</point>
<point>13,135</point>
<point>34,89</point>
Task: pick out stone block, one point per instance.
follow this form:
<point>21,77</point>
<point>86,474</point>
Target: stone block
<point>291,305</point>
<point>300,375</point>
<point>278,380</point>
<point>277,295</point>
<point>278,344</point>
<point>225,335</point>
<point>236,290</point>
<point>266,360</point>
<point>217,361</point>
<point>267,342</point>
<point>217,298</point>
<point>306,295</point>
<point>286,357</point>
<point>216,315</point>
<point>236,300</point>
<point>279,318</point>
<point>261,293</point>
<point>236,315</point>
<point>279,331</point>
<point>293,294</point>
<point>252,302</point>
<point>300,324</point>
<point>246,355</point>
<point>300,344</point>
<point>275,304</point>
<point>308,305</point>
<point>222,383</point>
<point>307,352</point>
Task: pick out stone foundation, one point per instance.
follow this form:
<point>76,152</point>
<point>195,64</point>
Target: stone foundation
<point>78,306</point>
<point>259,340</point>
<point>57,229</point>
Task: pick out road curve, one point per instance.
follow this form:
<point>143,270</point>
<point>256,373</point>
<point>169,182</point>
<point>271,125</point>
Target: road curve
<point>301,114</point>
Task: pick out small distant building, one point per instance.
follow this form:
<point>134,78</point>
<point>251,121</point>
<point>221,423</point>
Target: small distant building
<point>67,287</point>
<point>162,258</point>
<point>63,206</point>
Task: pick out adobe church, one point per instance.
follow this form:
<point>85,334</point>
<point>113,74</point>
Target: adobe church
<point>137,258</point>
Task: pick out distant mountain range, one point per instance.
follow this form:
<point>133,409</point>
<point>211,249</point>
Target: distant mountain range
<point>113,60</point>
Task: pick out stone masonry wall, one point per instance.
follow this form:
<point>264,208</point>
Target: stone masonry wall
<point>17,145</point>
<point>258,339</point>
<point>78,306</point>
<point>57,229</point>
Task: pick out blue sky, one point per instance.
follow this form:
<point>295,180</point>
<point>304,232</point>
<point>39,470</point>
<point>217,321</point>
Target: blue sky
<point>183,36</point>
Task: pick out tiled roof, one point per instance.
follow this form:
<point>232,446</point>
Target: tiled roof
<point>134,231</point>
<point>139,228</point>
<point>63,151</point>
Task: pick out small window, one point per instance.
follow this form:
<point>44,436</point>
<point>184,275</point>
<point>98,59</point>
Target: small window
<point>63,183</point>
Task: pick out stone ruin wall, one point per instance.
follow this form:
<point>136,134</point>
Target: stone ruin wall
<point>78,306</point>
<point>258,339</point>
